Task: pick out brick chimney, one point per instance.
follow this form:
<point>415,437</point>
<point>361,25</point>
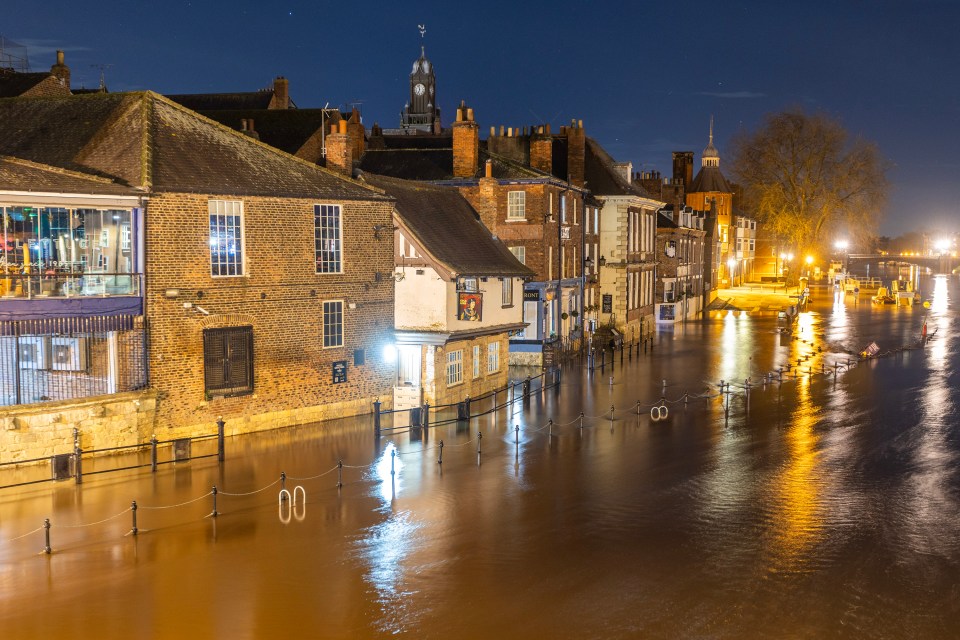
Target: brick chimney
<point>357,134</point>
<point>60,70</point>
<point>281,94</point>
<point>466,143</point>
<point>541,150</point>
<point>683,167</point>
<point>339,149</point>
<point>576,149</point>
<point>486,201</point>
<point>246,127</point>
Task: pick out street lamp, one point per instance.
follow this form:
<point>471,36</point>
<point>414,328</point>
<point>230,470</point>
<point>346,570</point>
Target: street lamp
<point>731,263</point>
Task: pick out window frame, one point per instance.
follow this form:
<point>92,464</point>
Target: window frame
<point>324,324</point>
<point>506,292</point>
<point>493,357</point>
<point>222,265</point>
<point>516,205</point>
<point>476,361</point>
<point>519,252</point>
<point>454,367</point>
<point>322,262</point>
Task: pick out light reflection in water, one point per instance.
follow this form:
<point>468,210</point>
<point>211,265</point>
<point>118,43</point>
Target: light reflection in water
<point>388,485</point>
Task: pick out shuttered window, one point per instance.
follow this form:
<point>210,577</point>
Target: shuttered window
<point>228,361</point>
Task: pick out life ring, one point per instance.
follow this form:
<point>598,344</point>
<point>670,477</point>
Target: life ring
<point>658,413</point>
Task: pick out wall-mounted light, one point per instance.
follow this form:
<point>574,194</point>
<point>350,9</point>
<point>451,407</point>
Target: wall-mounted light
<point>171,293</point>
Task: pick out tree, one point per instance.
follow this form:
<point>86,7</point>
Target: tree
<point>809,182</point>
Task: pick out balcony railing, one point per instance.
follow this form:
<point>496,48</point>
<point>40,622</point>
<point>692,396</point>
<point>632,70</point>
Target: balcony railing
<point>69,285</point>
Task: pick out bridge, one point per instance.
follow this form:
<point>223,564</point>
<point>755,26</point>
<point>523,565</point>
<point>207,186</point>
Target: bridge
<point>937,264</point>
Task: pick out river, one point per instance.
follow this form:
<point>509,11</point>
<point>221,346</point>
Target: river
<point>825,505</point>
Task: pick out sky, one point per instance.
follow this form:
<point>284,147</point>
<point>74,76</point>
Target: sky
<point>644,77</point>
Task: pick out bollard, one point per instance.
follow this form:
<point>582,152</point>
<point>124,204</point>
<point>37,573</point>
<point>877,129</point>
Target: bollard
<point>339,473</point>
<point>213,492</point>
<point>393,458</point>
<point>466,404</point>
<point>516,434</point>
<point>440,458</point>
<point>479,438</point>
<point>557,376</point>
<point>611,381</point>
<point>77,456</point>
<point>611,416</point>
<point>663,389</point>
<point>220,451</point>
<point>283,485</point>
<point>550,425</point>
<point>153,454</point>
<point>526,388</point>
<point>46,534</point>
<point>638,408</point>
<point>426,414</point>
<point>581,422</point>
<point>376,417</point>
<point>780,372</point>
<point>133,509</point>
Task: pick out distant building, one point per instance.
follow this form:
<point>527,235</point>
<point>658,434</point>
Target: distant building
<point>421,113</point>
<point>56,82</point>
<point>680,264</point>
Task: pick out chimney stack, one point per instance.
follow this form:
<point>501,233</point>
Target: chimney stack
<point>466,143</point>
<point>281,94</point>
<point>357,134</point>
<point>576,150</point>
<point>339,149</point>
<point>541,150</point>
<point>60,70</point>
<point>683,167</point>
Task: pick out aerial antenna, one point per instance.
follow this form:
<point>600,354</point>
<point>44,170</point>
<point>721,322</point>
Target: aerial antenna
<point>103,68</point>
<point>13,55</point>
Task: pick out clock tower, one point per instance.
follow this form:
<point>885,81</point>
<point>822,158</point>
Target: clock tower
<point>421,112</point>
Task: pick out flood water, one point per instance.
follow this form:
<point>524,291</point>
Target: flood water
<point>822,506</point>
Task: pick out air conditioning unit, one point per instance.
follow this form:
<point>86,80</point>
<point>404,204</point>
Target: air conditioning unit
<point>68,354</point>
<point>34,352</point>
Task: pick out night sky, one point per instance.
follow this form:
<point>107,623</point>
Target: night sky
<point>643,76</point>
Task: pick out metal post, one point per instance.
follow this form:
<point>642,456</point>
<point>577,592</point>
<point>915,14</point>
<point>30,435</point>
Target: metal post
<point>133,509</point>
<point>220,451</point>
<point>638,407</point>
<point>376,417</point>
<point>339,473</point>
<point>526,388</point>
<point>516,434</point>
<point>213,492</point>
<point>46,534</point>
<point>393,459</point>
<point>153,453</point>
<point>479,438</point>
<point>581,422</point>
<point>663,388</point>
<point>550,425</point>
<point>440,458</point>
<point>77,454</point>
<point>283,485</point>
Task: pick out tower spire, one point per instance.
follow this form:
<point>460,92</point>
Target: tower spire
<point>711,129</point>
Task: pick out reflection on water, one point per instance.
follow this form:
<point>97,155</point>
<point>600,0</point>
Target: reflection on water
<point>825,506</point>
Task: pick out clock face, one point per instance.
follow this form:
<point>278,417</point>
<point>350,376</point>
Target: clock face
<point>425,65</point>
<point>419,89</point>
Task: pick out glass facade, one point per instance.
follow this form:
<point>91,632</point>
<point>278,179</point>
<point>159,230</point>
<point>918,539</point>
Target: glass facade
<point>57,251</point>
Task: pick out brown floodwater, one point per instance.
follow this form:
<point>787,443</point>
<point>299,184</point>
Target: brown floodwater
<point>823,506</point>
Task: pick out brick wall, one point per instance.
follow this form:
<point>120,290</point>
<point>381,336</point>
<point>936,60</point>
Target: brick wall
<point>281,297</point>
<point>472,387</point>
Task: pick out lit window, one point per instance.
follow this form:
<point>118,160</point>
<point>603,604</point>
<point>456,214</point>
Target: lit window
<point>333,324</point>
<point>493,357</point>
<point>476,361</point>
<point>329,244</point>
<point>226,238</point>
<point>516,205</point>
<point>455,367</point>
<point>520,253</point>
<point>468,284</point>
<point>508,292</point>
<point>125,237</point>
<point>563,209</point>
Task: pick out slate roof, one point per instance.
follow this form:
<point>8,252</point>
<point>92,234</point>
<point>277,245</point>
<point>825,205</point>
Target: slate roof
<point>285,129</point>
<point>709,179</point>
<point>603,179</point>
<point>449,229</point>
<point>223,101</point>
<point>147,141</point>
<point>15,84</point>
<point>22,175</point>
<point>430,163</point>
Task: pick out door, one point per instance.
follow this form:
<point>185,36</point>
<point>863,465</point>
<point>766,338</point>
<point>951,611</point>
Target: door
<point>406,393</point>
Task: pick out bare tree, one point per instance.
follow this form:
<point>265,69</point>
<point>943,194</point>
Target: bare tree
<point>809,182</point>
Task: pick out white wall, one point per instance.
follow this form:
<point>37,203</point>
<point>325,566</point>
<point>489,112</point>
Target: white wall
<point>493,311</point>
<point>421,301</point>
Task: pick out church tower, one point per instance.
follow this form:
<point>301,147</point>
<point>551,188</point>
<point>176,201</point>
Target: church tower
<point>421,112</point>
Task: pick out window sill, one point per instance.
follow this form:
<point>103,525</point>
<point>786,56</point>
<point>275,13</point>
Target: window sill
<point>516,220</point>
<point>507,306</point>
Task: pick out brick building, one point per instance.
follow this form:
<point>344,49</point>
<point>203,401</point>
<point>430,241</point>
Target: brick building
<point>39,84</point>
<point>259,275</point>
<point>680,264</point>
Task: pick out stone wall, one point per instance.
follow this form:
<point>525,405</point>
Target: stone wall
<point>36,431</point>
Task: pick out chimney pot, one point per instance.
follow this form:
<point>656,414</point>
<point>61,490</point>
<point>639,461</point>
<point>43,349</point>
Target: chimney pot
<point>470,114</point>
<point>488,169</point>
<point>59,56</point>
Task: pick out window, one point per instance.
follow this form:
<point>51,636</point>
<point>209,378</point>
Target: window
<point>516,205</point>
<point>226,238</point>
<point>493,357</point>
<point>228,361</point>
<point>329,244</point>
<point>333,324</point>
<point>563,209</point>
<point>520,253</point>
<point>125,237</point>
<point>455,367</point>
<point>476,361</point>
<point>468,284</point>
<point>508,292</point>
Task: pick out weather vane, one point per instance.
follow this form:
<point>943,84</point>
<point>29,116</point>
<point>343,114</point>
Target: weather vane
<point>423,29</point>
